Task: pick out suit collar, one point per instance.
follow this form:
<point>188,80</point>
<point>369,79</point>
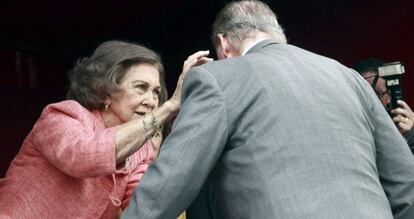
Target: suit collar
<point>261,45</point>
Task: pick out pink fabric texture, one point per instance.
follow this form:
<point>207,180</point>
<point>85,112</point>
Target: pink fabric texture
<point>66,168</point>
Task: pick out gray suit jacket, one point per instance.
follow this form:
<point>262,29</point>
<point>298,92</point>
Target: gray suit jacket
<point>281,133</point>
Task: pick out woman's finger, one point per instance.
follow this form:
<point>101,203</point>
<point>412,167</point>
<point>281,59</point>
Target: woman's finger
<point>205,59</point>
<point>196,59</point>
<point>199,54</point>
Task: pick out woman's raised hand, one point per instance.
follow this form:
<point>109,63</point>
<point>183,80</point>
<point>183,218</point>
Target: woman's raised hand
<point>195,59</point>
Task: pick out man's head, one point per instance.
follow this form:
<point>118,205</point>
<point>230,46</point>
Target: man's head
<point>243,21</point>
<point>368,68</point>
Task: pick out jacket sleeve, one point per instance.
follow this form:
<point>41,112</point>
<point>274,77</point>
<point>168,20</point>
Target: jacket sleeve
<point>66,136</point>
<point>410,139</point>
<point>188,153</point>
<point>395,163</point>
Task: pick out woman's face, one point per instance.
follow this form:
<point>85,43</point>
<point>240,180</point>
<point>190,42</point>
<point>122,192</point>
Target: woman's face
<point>139,93</point>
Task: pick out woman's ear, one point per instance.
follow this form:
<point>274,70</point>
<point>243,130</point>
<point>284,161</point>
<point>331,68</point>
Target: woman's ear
<point>107,103</point>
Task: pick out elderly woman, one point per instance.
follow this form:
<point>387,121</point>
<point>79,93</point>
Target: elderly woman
<point>84,156</point>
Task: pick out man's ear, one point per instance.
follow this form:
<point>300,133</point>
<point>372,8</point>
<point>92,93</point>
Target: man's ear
<point>224,48</point>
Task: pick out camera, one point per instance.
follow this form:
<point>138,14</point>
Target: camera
<point>391,72</point>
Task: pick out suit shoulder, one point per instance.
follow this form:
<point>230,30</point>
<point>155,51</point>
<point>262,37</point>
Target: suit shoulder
<point>225,66</point>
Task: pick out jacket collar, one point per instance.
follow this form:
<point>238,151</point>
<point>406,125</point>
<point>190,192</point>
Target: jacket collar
<point>261,45</point>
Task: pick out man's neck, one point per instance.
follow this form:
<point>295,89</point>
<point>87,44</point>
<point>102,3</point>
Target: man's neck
<point>249,42</point>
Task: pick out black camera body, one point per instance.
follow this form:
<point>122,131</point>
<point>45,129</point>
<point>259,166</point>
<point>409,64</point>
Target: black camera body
<point>392,72</point>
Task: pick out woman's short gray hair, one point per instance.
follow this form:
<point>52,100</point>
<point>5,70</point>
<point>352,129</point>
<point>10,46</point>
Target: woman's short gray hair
<point>94,79</point>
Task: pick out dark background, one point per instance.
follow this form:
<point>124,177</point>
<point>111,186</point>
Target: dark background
<point>41,40</point>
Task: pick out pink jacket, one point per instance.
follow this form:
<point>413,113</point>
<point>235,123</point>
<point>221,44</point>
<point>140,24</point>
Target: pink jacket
<point>66,168</point>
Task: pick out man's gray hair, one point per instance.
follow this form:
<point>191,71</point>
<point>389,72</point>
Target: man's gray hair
<point>237,20</point>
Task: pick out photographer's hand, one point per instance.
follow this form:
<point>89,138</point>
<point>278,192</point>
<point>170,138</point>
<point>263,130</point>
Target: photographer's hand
<point>403,117</point>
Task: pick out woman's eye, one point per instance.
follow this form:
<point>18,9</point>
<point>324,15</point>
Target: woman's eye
<point>157,93</point>
<point>139,87</point>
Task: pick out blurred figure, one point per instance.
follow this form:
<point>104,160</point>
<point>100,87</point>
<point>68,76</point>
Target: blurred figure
<point>84,156</point>
<point>403,116</point>
<point>280,132</point>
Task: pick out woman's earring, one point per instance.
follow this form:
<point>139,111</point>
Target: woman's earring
<point>106,106</point>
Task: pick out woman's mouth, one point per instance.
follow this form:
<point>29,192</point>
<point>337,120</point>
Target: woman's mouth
<point>140,114</point>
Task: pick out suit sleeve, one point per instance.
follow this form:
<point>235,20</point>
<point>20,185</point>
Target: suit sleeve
<point>410,139</point>
<point>188,153</point>
<point>395,164</point>
<point>66,139</point>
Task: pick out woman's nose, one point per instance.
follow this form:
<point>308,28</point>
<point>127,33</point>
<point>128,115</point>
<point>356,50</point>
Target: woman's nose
<point>149,100</point>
